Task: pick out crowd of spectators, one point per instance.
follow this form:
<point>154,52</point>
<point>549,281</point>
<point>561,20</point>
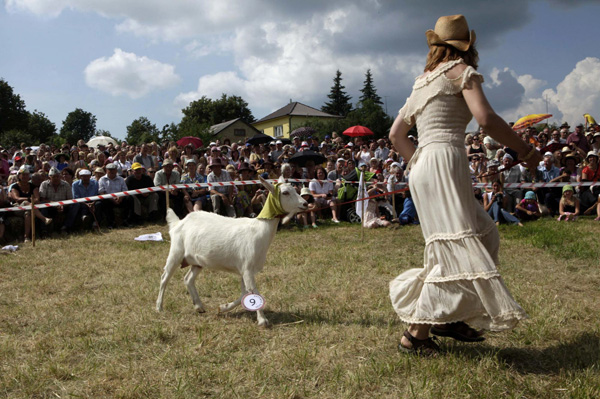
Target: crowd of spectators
<point>569,156</point>
<point>47,173</point>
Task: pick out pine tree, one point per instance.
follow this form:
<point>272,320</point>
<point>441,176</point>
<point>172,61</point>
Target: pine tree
<point>340,101</point>
<point>369,92</point>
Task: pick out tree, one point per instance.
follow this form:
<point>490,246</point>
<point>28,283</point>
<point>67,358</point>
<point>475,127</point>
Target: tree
<point>14,137</point>
<point>340,101</point>
<point>40,128</point>
<point>79,125</point>
<point>13,115</point>
<point>141,131</point>
<point>369,92</point>
<point>203,113</point>
<point>371,115</point>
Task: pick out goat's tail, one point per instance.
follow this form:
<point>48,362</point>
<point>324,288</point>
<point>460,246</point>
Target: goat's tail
<point>172,218</point>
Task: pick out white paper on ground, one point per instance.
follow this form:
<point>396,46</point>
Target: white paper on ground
<point>150,237</point>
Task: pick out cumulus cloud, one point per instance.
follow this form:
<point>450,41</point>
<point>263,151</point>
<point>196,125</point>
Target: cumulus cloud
<point>579,92</point>
<point>128,74</point>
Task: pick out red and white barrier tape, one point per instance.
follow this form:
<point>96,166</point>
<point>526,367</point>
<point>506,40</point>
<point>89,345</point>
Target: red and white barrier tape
<point>248,182</point>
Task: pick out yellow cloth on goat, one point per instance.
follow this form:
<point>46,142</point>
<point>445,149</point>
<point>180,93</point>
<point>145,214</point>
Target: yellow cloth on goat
<point>272,208</point>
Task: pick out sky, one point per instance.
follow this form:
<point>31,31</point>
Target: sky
<point>124,59</point>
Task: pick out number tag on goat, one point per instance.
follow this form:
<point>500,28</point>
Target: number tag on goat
<point>253,302</point>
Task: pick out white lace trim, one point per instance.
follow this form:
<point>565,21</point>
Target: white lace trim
<point>462,276</point>
<point>458,236</point>
<point>428,87</point>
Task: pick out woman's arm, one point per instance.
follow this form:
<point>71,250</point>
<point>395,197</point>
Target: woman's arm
<point>400,140</point>
<point>561,207</point>
<point>576,206</point>
<point>495,126</point>
<point>487,204</point>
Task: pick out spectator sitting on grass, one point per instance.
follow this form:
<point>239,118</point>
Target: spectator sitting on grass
<point>568,207</point>
<point>528,208</point>
<point>372,216</point>
<point>21,194</point>
<point>494,205</point>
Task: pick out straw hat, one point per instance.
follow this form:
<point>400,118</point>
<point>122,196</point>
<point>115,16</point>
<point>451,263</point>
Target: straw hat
<point>451,30</point>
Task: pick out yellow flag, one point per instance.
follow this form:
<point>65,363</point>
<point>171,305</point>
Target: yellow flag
<point>589,119</point>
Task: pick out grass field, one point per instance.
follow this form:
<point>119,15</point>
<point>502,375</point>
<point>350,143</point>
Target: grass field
<point>77,320</point>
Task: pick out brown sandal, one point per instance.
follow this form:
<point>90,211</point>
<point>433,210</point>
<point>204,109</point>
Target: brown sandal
<point>460,331</point>
<point>421,347</point>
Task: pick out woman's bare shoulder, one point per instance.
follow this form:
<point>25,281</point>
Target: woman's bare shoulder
<point>456,71</point>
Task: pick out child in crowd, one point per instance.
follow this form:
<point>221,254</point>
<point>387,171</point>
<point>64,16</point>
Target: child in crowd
<point>568,207</point>
<point>372,217</point>
<point>528,208</point>
<point>308,197</point>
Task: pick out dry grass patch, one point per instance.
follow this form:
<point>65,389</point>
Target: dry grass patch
<point>77,319</point>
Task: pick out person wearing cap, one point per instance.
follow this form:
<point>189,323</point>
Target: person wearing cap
<point>141,204</point>
<point>443,101</point>
<point>194,198</point>
<point>528,208</point>
<point>112,183</point>
<point>17,163</point>
<point>98,173</point>
<point>297,143</point>
<point>568,209</point>
<point>168,176</point>
<point>221,196</point>
<point>577,138</point>
<point>276,152</point>
<point>56,189</point>
<point>87,187</point>
<point>511,175</point>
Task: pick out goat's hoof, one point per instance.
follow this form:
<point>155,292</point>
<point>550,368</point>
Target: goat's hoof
<point>199,309</point>
<point>223,308</point>
<point>265,324</point>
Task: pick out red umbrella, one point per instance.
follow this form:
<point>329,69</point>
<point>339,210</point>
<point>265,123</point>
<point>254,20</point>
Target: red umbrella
<point>358,131</point>
<point>195,141</point>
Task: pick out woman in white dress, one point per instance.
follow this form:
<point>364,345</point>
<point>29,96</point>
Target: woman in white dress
<point>459,290</point>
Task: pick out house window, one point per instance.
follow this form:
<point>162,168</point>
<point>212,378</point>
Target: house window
<point>278,131</point>
<point>239,132</point>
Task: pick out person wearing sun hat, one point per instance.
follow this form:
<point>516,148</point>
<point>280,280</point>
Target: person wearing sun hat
<point>569,204</point>
<point>443,101</point>
<point>528,208</point>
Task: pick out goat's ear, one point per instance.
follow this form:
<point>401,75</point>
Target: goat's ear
<point>287,218</point>
<point>267,185</point>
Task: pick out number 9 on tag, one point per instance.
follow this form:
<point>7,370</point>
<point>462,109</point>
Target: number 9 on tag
<point>253,302</point>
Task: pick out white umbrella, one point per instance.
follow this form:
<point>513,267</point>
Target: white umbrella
<point>104,140</point>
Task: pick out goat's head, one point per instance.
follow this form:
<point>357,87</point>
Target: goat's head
<point>284,199</point>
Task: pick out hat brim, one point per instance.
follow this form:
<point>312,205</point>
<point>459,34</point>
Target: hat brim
<point>463,45</point>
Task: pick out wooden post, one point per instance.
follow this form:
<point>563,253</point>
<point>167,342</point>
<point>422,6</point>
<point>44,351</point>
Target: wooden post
<point>167,195</point>
<point>32,221</point>
<point>362,217</point>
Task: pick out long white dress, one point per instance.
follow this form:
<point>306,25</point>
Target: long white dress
<point>459,280</point>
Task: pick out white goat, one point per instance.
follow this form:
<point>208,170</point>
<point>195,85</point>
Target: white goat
<point>215,242</point>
